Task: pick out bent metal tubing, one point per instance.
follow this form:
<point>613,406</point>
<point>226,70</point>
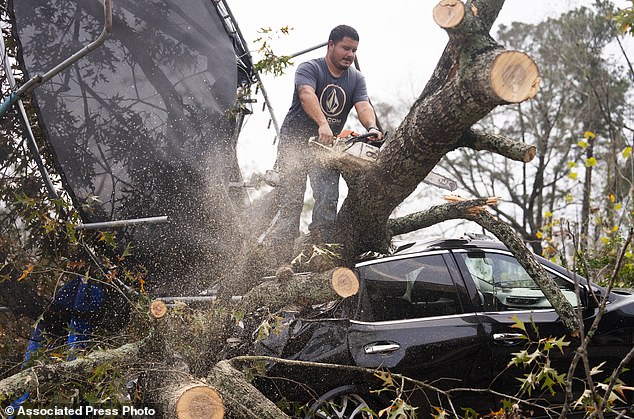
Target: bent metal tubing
<point>42,78</point>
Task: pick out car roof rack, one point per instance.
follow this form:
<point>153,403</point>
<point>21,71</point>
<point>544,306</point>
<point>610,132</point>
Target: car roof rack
<point>480,236</point>
<point>467,240</point>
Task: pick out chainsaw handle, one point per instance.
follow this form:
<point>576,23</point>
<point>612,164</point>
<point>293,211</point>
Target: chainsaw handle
<point>362,137</point>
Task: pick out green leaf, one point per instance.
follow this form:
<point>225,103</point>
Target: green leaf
<point>548,383</point>
<point>518,324</point>
<point>561,343</point>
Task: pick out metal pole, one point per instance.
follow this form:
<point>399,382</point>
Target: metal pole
<point>42,78</point>
<point>269,106</point>
<point>376,117</point>
<point>237,32</point>
<point>30,138</point>
<point>196,299</point>
<point>304,51</point>
<point>122,223</point>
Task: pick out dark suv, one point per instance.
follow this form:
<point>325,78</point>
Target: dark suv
<point>443,313</point>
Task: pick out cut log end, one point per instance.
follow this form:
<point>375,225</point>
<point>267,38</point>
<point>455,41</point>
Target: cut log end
<point>530,154</point>
<point>284,273</point>
<point>200,401</point>
<point>514,76</point>
<point>344,282</point>
<point>449,13</point>
<point>158,309</point>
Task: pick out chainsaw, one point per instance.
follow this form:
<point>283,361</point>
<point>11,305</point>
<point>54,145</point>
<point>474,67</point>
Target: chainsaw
<point>361,149</point>
<point>364,147</point>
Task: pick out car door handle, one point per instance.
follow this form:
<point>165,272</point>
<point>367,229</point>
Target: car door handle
<point>507,336</point>
<point>381,347</point>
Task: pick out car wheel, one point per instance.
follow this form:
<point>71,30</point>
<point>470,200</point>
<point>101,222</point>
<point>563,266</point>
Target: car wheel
<point>345,402</point>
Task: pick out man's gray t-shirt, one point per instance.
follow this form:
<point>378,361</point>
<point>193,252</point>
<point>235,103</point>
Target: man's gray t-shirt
<point>336,95</point>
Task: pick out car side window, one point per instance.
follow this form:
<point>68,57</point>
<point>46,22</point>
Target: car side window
<point>410,288</point>
<point>503,284</point>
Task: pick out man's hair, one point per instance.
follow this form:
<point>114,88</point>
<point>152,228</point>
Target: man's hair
<point>341,31</point>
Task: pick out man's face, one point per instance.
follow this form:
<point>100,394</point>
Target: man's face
<point>342,53</point>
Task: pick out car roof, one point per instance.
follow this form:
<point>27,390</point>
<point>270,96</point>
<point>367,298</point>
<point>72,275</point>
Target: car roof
<point>470,241</point>
<point>467,241</point>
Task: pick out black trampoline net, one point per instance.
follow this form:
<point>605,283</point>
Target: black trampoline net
<point>142,125</point>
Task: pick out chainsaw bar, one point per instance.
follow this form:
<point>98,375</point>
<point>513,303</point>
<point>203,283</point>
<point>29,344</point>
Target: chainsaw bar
<point>362,154</point>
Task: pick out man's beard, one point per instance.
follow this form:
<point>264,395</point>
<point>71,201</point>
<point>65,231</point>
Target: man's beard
<point>343,66</point>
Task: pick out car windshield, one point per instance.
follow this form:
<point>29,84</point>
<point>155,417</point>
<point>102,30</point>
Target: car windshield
<point>503,284</point>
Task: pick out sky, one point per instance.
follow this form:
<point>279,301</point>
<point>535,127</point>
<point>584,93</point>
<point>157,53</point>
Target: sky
<point>399,47</point>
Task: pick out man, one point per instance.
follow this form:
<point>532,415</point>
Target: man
<point>326,89</point>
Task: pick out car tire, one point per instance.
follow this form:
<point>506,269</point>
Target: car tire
<point>345,402</point>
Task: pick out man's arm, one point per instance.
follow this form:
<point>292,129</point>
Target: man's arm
<point>310,104</point>
<point>365,112</point>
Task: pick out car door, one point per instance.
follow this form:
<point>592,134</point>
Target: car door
<point>508,295</point>
<point>416,319</point>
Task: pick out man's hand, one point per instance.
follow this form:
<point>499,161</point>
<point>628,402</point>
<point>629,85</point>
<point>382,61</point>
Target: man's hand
<point>379,134</point>
<point>326,136</point>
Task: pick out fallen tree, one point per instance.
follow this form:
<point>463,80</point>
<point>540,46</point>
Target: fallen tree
<point>473,76</point>
<point>171,383</point>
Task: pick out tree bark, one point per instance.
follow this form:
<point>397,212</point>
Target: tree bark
<point>304,288</point>
<point>514,150</point>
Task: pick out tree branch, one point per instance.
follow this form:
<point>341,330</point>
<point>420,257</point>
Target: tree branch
<point>498,144</point>
<point>523,255</point>
<point>31,378</point>
<point>434,215</point>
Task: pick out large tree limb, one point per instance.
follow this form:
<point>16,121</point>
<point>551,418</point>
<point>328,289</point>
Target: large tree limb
<point>243,401</point>
<point>174,393</point>
<point>498,144</point>
<point>31,378</point>
<point>506,235</point>
<point>306,288</point>
<point>434,215</point>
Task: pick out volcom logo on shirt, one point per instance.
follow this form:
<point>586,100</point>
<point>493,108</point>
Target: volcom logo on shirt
<point>332,100</point>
